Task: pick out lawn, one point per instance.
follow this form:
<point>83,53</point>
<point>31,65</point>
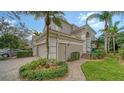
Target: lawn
<point>107,69</point>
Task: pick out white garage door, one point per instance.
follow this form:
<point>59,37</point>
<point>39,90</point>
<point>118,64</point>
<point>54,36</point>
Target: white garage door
<point>42,50</point>
<point>61,52</point>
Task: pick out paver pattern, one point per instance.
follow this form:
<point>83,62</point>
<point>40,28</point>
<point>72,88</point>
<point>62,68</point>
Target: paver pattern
<point>74,72</point>
<point>9,69</point>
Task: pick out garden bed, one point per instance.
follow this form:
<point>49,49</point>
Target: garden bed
<point>36,70</point>
<point>107,69</point>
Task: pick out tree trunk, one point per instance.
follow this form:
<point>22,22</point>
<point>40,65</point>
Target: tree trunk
<point>47,41</point>
<point>109,43</point>
<point>106,37</point>
<point>113,44</point>
<point>47,20</point>
<point>105,41</point>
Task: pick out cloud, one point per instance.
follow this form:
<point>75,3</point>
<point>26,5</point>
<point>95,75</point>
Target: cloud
<point>97,25</point>
<point>83,16</point>
<point>94,23</point>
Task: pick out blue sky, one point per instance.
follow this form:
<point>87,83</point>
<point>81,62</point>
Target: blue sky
<point>74,17</point>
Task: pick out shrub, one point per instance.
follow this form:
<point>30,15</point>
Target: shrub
<point>74,56</point>
<point>24,53</point>
<point>3,58</point>
<point>121,53</point>
<point>30,72</point>
<point>97,54</point>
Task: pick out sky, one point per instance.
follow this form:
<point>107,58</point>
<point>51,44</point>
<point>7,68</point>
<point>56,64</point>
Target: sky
<point>74,17</point>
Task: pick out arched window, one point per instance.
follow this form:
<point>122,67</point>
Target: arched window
<point>87,35</point>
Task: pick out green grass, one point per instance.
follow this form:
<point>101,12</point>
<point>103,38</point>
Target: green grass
<point>108,69</point>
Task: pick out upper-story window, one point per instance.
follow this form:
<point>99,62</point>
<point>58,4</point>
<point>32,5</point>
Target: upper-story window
<point>87,35</point>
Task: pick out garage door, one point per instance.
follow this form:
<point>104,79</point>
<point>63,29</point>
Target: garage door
<point>62,52</point>
<point>42,50</point>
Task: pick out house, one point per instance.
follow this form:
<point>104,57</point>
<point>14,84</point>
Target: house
<point>63,41</point>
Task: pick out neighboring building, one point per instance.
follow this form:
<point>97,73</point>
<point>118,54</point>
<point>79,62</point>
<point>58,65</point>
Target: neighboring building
<point>63,41</point>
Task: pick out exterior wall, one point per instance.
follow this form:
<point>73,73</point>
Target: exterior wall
<point>66,47</point>
<point>73,48</point>
<point>52,48</point>
<point>65,50</point>
<point>61,46</point>
<point>66,28</point>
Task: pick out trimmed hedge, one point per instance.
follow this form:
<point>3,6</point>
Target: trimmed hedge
<point>74,56</point>
<point>3,58</point>
<point>25,53</point>
<point>29,71</point>
<point>97,54</point>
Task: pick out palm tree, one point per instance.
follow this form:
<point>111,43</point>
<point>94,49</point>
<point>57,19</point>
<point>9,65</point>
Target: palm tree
<point>114,29</point>
<point>49,16</point>
<point>106,17</point>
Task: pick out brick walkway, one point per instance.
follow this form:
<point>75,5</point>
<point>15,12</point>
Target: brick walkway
<point>74,73</point>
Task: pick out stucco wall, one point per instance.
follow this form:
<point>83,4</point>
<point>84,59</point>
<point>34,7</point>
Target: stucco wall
<point>73,48</point>
<point>65,50</point>
<point>66,28</point>
<point>52,48</point>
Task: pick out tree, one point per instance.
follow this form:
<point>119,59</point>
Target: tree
<point>9,41</point>
<point>49,16</point>
<point>100,42</point>
<point>19,30</point>
<point>114,29</point>
<point>120,39</point>
<point>4,26</point>
<point>106,17</point>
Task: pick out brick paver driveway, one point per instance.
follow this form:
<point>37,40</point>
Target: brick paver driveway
<point>9,69</point>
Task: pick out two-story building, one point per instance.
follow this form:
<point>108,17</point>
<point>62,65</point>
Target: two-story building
<point>63,41</point>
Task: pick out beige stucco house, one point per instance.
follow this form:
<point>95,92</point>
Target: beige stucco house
<point>63,41</point>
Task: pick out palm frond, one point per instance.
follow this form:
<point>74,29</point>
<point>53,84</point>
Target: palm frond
<point>16,15</point>
<point>37,14</point>
<point>116,23</point>
<point>92,16</point>
<point>58,20</point>
<point>121,28</point>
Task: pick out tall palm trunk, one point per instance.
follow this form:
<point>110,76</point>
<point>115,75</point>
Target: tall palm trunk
<point>105,37</point>
<point>114,44</point>
<point>105,41</point>
<point>47,41</point>
<point>109,43</point>
<point>47,33</point>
